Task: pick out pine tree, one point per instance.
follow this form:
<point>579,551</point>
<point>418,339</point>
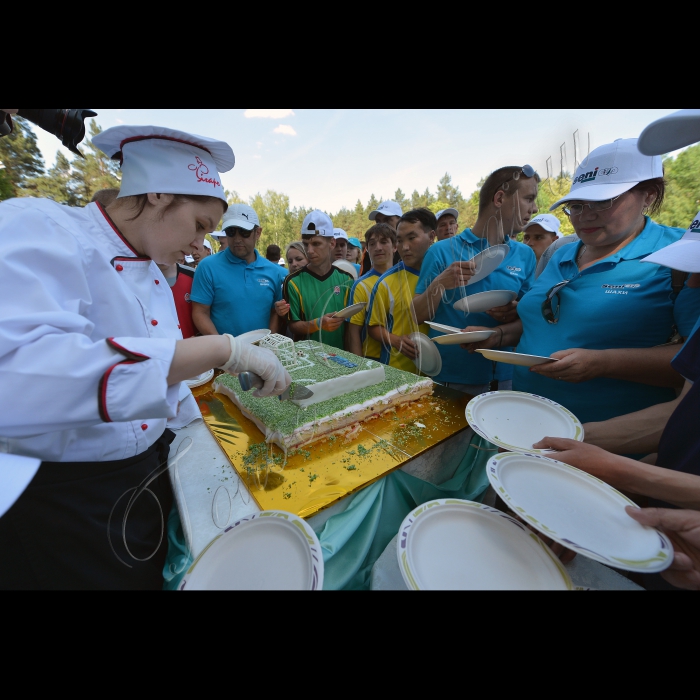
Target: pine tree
<point>95,171</point>
<point>6,191</point>
<point>400,199</point>
<point>20,155</point>
<point>447,192</point>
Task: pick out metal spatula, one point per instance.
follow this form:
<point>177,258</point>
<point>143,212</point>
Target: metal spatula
<point>249,381</point>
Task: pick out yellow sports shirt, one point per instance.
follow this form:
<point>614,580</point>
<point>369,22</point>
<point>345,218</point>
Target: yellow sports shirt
<point>391,306</point>
<point>362,291</point>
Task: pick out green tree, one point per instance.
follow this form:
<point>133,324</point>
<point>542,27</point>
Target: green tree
<point>682,200</point>
<point>6,189</point>
<point>401,200</point>
<point>232,197</point>
<point>95,171</point>
<point>447,192</point>
<point>57,184</point>
<point>20,155</point>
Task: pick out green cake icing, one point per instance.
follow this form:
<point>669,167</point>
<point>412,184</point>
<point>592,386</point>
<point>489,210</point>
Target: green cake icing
<point>285,417</point>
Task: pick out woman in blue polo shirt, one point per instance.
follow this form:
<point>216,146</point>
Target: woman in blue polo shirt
<point>507,200</point>
<point>596,308</point>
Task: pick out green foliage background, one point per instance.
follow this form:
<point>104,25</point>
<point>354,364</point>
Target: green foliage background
<point>74,182</point>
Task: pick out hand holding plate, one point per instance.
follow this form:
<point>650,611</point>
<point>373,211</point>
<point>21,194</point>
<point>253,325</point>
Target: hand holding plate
<point>456,275</point>
<point>683,529</point>
<point>282,308</point>
<point>405,346</point>
<point>505,314</point>
<point>575,365</point>
<point>331,323</point>
<point>493,341</point>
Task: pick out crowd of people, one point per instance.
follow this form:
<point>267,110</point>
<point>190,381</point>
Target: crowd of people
<point>617,304</point>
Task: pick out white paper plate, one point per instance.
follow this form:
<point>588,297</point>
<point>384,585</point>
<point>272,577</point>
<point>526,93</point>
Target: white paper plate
<point>428,361</point>
<point>350,311</point>
<point>441,328</point>
<point>450,544</point>
<point>253,336</point>
<point>271,550</point>
<point>579,511</point>
<point>459,338</point>
<point>483,301</point>
<point>487,261</point>
<point>200,379</point>
<point>515,420</point>
<point>346,266</point>
<point>516,358</point>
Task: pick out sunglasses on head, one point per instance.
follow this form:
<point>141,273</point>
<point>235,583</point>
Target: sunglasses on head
<point>526,170</point>
<point>231,231</point>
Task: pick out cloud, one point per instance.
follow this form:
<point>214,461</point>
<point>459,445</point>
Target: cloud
<point>284,129</point>
<point>268,113</point>
<point>256,156</point>
<point>119,121</point>
<point>259,144</point>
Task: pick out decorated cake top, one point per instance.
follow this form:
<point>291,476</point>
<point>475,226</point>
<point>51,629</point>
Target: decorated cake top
<point>317,364</point>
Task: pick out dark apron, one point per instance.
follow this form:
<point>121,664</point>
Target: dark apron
<point>56,535</point>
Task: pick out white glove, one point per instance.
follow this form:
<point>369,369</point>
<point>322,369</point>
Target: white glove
<point>245,357</point>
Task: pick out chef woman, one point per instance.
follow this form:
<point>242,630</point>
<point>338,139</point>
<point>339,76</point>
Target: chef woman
<point>91,361</point>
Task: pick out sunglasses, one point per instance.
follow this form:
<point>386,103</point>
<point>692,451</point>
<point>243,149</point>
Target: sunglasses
<point>526,170</point>
<point>231,232</point>
<point>577,209</point>
<point>550,305</point>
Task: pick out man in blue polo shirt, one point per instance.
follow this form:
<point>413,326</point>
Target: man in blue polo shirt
<point>507,201</point>
<point>235,292</point>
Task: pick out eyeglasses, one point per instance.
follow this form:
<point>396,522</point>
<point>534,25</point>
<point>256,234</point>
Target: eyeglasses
<point>577,209</point>
<point>550,305</point>
<point>526,170</point>
<point>231,232</point>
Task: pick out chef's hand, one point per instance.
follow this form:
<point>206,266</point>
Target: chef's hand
<point>683,529</point>
<point>506,313</point>
<point>493,341</point>
<point>246,357</point>
<point>575,365</point>
<point>282,308</point>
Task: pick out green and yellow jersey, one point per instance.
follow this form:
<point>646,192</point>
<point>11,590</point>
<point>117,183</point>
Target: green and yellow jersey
<point>362,291</point>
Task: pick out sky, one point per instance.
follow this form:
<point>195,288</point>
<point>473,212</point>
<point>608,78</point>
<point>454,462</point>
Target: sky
<point>330,158</point>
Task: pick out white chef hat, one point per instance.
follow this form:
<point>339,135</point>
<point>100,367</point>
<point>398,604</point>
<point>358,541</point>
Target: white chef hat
<point>158,159</point>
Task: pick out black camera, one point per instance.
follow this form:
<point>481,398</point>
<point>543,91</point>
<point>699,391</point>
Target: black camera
<point>68,125</point>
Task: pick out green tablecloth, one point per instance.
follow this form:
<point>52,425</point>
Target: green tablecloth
<point>353,540</point>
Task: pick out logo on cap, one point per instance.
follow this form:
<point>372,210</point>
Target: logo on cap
<point>336,290</point>
<point>200,170</point>
<point>592,174</point>
<point>695,226</point>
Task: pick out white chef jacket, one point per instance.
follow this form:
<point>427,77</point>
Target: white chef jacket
<point>87,335</point>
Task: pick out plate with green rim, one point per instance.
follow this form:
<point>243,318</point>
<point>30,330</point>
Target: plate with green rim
<point>579,511</point>
<point>516,420</point>
<point>453,544</point>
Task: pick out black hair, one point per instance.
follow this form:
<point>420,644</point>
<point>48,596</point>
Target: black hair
<point>423,216</point>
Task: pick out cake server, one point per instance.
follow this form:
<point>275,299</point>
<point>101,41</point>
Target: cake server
<point>249,381</point>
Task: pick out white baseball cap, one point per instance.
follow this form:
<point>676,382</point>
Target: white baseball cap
<point>670,133</point>
<point>240,216</point>
<point>442,212</point>
<point>683,255</point>
<point>207,244</point>
<point>339,233</point>
<point>387,208</point>
<point>610,170</point>
<point>317,223</point>
<point>158,159</point>
<point>549,222</point>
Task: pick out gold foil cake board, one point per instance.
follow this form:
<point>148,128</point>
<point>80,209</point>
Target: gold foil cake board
<point>314,477</point>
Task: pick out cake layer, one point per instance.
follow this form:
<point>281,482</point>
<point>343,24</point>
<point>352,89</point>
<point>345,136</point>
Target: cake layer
<point>292,424</point>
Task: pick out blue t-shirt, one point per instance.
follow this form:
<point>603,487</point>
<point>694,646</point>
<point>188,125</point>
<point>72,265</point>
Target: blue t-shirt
<point>241,295</point>
<point>516,272</point>
<point>617,303</point>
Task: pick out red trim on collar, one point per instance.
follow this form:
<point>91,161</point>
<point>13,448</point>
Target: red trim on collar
<point>164,138</point>
<point>118,232</point>
<point>136,356</point>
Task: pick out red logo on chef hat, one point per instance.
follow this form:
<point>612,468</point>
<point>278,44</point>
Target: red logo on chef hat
<point>200,170</point>
<point>336,290</point>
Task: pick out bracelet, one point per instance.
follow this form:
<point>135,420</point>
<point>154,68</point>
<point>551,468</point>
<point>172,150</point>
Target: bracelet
<point>500,340</point>
<point>234,352</point>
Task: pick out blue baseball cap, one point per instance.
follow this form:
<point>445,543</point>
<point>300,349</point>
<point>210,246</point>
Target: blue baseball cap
<point>355,242</point>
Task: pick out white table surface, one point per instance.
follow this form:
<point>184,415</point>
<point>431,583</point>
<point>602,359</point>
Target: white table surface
<point>205,483</point>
